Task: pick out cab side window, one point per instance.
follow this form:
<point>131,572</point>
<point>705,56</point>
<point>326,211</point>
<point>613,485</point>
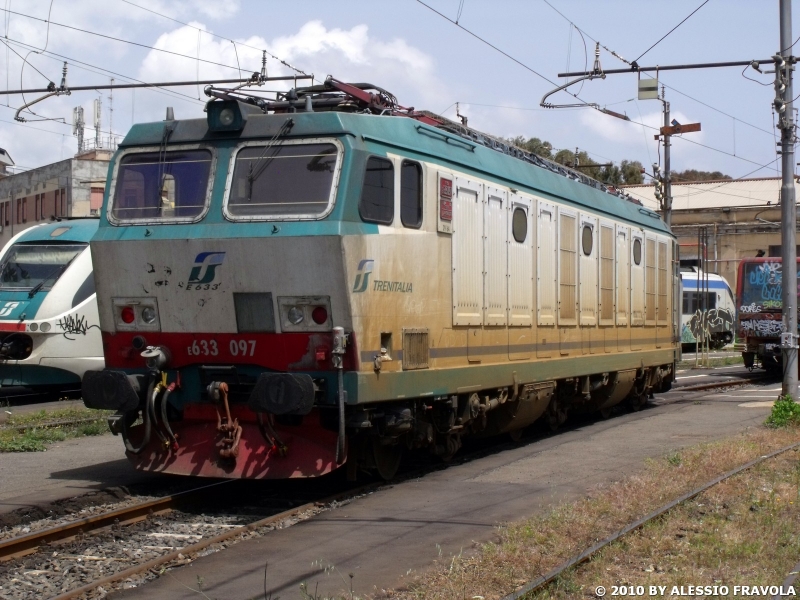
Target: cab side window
<point>377,193</point>
<point>411,194</point>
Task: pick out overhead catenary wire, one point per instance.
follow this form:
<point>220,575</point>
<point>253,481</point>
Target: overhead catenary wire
<point>280,60</point>
<point>670,31</point>
<point>124,41</point>
<point>73,62</point>
<point>620,57</point>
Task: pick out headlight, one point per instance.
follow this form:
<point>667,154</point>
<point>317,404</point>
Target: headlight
<point>226,117</point>
<point>295,315</point>
<point>148,315</point>
<point>44,327</point>
<point>34,326</point>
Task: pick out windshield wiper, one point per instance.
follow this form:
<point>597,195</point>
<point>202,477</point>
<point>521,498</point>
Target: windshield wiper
<point>263,161</point>
<point>55,273</point>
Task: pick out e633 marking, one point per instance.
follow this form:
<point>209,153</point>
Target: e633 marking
<point>243,348</point>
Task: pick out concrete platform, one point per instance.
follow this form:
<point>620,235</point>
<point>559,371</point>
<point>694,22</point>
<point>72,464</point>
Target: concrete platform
<point>386,535</point>
<point>69,468</point>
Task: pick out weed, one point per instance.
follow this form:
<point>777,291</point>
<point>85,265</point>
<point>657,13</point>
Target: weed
<point>32,432</point>
<point>785,411</point>
<point>674,458</point>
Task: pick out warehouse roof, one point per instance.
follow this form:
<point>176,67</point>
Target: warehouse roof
<point>693,195</point>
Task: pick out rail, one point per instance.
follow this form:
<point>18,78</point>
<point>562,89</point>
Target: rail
<point>542,581</point>
<point>27,544</point>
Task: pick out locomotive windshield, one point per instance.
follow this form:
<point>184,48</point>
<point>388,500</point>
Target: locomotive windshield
<point>162,185</point>
<point>28,266</point>
<point>282,180</point>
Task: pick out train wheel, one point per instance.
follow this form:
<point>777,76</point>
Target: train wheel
<point>386,458</point>
<point>636,402</point>
<point>556,414</point>
<point>605,413</point>
<point>515,435</point>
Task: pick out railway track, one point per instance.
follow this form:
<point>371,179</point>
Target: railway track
<point>81,557</point>
<point>544,580</point>
<point>102,548</point>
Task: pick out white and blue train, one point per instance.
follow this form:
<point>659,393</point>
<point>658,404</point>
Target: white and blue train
<point>716,299</point>
<point>49,334</point>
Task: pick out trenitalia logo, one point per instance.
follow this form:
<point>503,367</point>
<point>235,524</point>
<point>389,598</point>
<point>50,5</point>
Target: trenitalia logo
<point>362,278</point>
<point>209,260</point>
<point>362,283</point>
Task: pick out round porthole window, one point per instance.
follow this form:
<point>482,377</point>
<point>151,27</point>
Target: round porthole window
<point>637,251</point>
<point>519,225</point>
<point>587,240</point>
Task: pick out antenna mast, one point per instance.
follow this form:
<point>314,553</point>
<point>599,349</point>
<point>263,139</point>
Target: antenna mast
<point>111,116</point>
<point>98,117</point>
<point>77,126</point>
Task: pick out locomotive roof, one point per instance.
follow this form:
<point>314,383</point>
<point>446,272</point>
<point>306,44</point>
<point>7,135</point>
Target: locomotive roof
<point>68,230</point>
<point>373,132</point>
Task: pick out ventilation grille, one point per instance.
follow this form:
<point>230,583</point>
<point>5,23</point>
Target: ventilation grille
<point>416,351</point>
<point>254,313</point>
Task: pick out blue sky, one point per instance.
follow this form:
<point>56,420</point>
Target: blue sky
<point>425,60</point>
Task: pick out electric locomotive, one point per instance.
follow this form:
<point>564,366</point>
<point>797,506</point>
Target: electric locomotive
<point>328,278</point>
<point>49,329</point>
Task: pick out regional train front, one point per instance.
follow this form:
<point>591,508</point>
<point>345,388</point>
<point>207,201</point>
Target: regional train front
<point>49,332</point>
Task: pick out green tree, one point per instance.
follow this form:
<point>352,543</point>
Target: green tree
<point>612,175</point>
<point>695,175</point>
<point>632,171</point>
<point>533,145</point>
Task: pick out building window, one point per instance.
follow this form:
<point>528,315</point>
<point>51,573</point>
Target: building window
<point>25,210</point>
<point>38,207</point>
<point>64,203</point>
<point>19,211</point>
<point>96,199</point>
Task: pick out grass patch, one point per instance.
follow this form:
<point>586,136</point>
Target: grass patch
<point>688,363</point>
<point>785,412</point>
<point>740,532</point>
<point>33,432</point>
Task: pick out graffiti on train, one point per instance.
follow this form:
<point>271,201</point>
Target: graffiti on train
<point>763,289</point>
<point>762,327</point>
<point>718,320</point>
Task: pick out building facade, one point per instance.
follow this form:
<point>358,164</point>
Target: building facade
<point>741,219</point>
<point>69,188</point>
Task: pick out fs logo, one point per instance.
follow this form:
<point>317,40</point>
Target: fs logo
<point>208,260</point>
<point>362,278</point>
<point>9,308</point>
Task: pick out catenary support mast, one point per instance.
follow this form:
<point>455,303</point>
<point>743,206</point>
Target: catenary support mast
<point>783,103</point>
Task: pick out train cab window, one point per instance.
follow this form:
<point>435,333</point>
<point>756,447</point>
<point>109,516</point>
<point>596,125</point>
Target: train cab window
<point>587,240</point>
<point>637,251</point>
<point>694,301</point>
<point>519,225</point>
<point>170,186</point>
<point>411,194</point>
<point>36,266</point>
<point>377,194</point>
<point>283,181</point>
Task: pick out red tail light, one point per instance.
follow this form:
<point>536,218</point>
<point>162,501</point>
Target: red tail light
<point>127,315</point>
<point>320,315</point>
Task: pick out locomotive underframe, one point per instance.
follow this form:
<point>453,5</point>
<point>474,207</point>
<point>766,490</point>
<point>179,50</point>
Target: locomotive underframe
<point>232,436</point>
